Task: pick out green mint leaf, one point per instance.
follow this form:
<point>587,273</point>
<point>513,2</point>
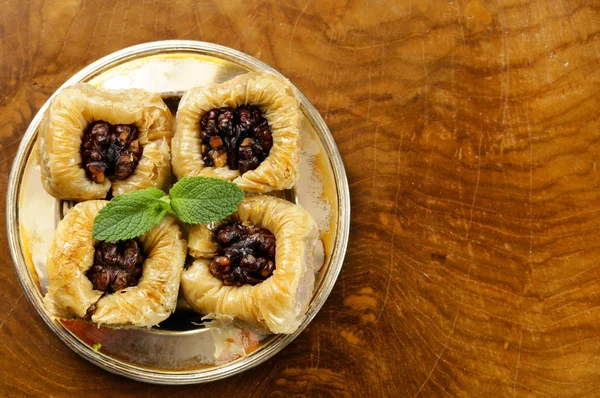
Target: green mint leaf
<point>96,347</point>
<point>130,215</point>
<point>200,200</point>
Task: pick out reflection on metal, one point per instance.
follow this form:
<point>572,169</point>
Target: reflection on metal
<point>183,350</point>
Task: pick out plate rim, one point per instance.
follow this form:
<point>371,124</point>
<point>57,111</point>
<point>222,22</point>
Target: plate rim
<point>161,376</point>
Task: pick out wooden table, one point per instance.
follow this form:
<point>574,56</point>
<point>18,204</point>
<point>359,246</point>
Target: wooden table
<point>470,131</point>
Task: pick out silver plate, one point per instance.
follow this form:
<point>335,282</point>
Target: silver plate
<point>180,352</point>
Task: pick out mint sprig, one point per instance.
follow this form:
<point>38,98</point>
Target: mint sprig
<point>200,200</point>
<point>130,215</point>
<point>194,200</point>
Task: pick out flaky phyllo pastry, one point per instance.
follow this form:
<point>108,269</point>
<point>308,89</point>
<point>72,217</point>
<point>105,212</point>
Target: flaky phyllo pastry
<point>246,130</point>
<point>93,139</point>
<point>77,265</point>
<point>276,304</point>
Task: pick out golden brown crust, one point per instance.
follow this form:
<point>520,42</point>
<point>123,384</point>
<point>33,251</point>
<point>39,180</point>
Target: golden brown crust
<point>200,241</point>
<point>277,100</point>
<point>71,293</point>
<point>65,121</point>
<point>278,304</point>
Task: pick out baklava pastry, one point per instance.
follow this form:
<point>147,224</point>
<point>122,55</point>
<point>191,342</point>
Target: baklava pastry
<point>261,274</point>
<point>93,139</point>
<point>128,283</point>
<point>246,130</point>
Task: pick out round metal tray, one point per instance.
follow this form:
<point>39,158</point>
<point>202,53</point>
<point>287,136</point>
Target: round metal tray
<point>182,350</point>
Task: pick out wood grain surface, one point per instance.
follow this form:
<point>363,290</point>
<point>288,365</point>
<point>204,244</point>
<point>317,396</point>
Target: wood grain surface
<point>470,132</point>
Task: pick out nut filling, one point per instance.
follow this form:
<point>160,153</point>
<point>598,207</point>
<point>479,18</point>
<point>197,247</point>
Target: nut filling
<point>111,151</point>
<point>116,266</point>
<point>244,254</point>
<point>239,138</point>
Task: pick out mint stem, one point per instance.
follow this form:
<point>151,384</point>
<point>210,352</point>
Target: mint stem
<point>194,200</point>
<point>167,200</point>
